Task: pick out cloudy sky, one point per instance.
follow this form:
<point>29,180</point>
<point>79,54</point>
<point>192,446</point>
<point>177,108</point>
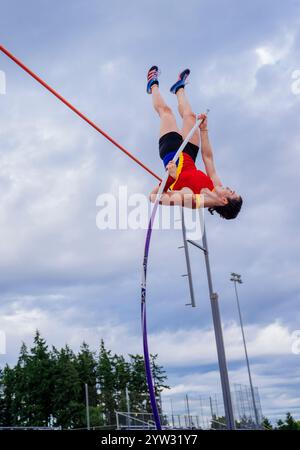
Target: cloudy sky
<point>74,282</point>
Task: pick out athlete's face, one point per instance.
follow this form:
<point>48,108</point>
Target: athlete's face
<point>225,193</point>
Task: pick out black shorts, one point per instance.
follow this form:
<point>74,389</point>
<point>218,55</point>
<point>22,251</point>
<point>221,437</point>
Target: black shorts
<point>169,143</point>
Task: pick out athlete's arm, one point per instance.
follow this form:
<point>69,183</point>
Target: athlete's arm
<point>172,170</point>
<point>184,197</point>
<point>207,154</point>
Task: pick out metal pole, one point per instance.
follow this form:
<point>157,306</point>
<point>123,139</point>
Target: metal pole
<point>172,412</point>
<point>216,402</point>
<point>128,406</point>
<point>201,410</point>
<point>188,410</point>
<point>217,329</point>
<point>236,278</point>
<point>87,406</point>
<point>211,408</point>
<point>188,263</point>
<point>219,341</point>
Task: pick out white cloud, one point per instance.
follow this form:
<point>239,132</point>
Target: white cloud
<point>192,347</point>
<point>179,348</point>
<point>276,50</point>
<point>265,55</point>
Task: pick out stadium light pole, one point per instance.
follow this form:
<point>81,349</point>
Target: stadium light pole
<point>236,278</point>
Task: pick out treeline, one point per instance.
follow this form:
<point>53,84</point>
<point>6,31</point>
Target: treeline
<point>47,387</point>
<point>289,423</point>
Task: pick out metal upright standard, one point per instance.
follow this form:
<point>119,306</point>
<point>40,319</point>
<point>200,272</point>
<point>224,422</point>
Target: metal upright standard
<point>216,321</point>
<point>188,263</point>
<point>236,278</point>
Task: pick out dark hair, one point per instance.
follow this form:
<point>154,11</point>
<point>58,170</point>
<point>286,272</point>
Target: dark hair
<point>230,210</point>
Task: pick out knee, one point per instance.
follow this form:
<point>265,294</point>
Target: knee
<point>165,111</point>
<point>189,116</point>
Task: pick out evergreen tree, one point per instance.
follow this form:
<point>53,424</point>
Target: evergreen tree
<point>46,388</point>
<point>106,380</point>
<point>87,371</point>
<point>139,397</point>
<point>121,371</point>
<point>266,424</point>
<point>21,399</point>
<point>159,378</point>
<point>2,400</point>
<point>289,424</point>
<point>7,396</point>
<point>39,374</point>
<point>218,423</point>
<point>138,388</point>
<point>67,402</point>
<point>246,423</point>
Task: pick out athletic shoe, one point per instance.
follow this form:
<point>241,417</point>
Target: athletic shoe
<point>152,78</point>
<point>181,81</point>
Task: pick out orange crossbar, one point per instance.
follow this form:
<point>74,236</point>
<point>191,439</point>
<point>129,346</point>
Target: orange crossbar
<point>75,110</point>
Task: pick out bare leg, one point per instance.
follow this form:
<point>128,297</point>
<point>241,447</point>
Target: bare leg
<point>167,118</point>
<point>184,106</point>
<point>188,116</point>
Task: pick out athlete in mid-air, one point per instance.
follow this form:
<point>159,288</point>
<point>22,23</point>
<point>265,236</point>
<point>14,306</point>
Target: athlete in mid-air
<point>186,185</point>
